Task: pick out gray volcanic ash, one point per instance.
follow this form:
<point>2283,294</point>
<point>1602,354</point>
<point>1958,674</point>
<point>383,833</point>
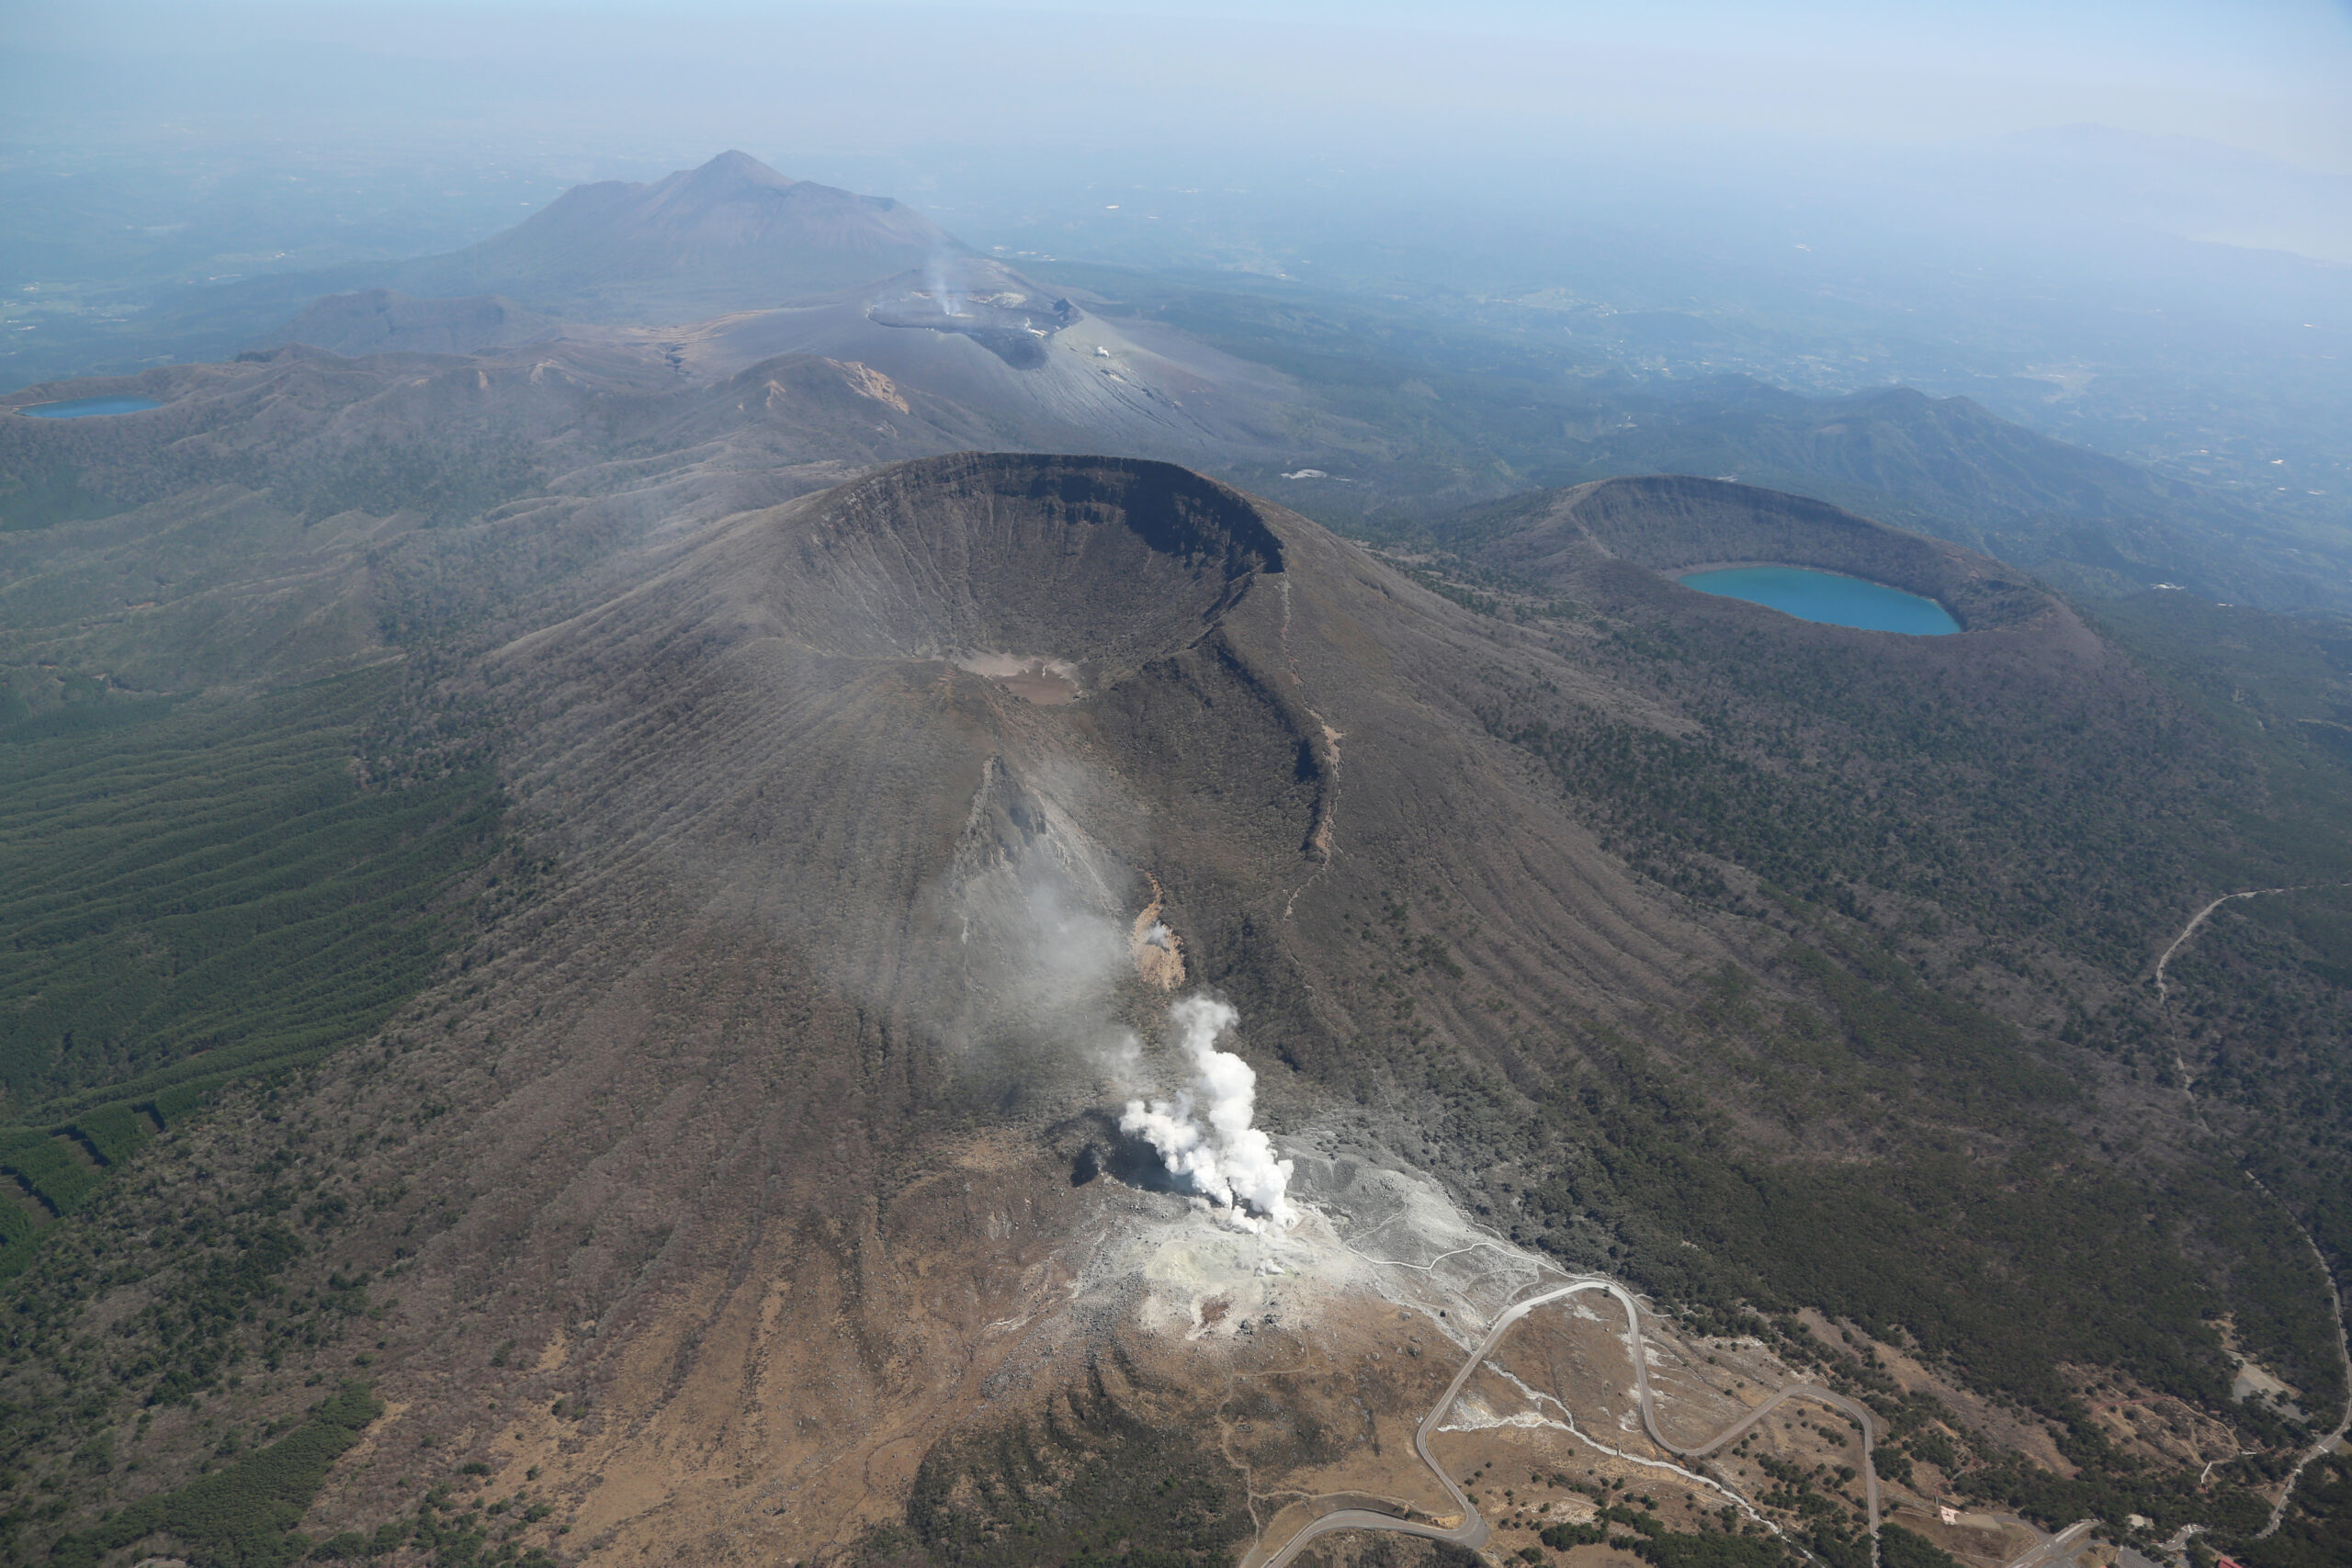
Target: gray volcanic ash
<point>994,306</point>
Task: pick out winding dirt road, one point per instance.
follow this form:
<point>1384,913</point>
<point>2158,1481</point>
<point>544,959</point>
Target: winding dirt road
<point>2336,1293</point>
<point>1471,1532</point>
<point>2163,990</point>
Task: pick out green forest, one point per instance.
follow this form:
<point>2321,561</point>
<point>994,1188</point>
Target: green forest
<point>195,890</point>
<point>196,886</point>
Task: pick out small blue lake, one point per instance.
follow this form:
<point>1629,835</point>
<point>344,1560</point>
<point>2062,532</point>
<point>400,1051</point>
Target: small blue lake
<point>1826,597</point>
<point>82,408</point>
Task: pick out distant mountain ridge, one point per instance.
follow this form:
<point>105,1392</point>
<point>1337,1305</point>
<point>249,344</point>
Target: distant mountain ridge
<point>2090,524</point>
<point>733,234</point>
<point>724,265</point>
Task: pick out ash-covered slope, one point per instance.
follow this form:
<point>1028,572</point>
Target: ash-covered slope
<point>749,1185</point>
<point>766,1117</point>
<point>1031,370</point>
<point>296,512</point>
<point>1217,655</point>
<point>760,1120</point>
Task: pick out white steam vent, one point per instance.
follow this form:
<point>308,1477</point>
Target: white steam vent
<point>1204,1135</point>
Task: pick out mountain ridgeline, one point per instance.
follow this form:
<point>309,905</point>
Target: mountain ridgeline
<point>709,271</point>
<point>729,235</point>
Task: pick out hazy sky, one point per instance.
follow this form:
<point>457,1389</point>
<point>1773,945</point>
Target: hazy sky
<point>1321,77</point>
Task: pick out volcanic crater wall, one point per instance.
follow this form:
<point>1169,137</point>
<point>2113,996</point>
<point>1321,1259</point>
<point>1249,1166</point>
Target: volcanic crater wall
<point>803,721</point>
<point>1105,562</point>
<point>1669,523</point>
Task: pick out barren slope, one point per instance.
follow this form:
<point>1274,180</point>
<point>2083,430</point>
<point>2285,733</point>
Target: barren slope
<point>748,1187</point>
<point>836,895</point>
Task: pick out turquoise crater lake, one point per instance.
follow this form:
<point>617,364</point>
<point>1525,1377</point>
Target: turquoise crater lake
<point>1826,597</point>
<point>82,408</point>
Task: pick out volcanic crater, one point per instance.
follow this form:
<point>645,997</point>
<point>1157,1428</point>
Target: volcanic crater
<point>773,1144</point>
<point>1084,567</point>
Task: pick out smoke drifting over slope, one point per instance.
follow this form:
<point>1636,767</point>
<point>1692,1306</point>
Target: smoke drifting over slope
<point>943,293</point>
<point>1204,1136</point>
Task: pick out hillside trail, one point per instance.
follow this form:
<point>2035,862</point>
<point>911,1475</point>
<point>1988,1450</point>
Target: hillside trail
<point>2334,1291</point>
<point>1473,1532</point>
<point>2164,992</point>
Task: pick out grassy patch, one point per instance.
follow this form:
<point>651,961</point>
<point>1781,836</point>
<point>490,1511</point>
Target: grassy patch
<point>113,1133</point>
<point>48,1167</point>
<point>242,1516</point>
<point>197,888</point>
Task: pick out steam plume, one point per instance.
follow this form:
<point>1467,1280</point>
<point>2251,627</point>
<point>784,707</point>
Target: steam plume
<point>1204,1135</point>
<point>943,293</point>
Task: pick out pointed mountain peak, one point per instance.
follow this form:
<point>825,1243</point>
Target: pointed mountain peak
<point>732,234</point>
<point>732,172</point>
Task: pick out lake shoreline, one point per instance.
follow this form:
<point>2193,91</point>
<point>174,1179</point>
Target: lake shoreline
<point>1823,597</point>
<point>106,405</point>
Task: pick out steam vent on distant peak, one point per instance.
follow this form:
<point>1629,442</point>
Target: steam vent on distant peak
<point>984,300</point>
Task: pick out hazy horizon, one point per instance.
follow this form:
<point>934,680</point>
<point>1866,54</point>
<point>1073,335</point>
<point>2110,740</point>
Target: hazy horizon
<point>1316,78</point>
<point>2144,208</point>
